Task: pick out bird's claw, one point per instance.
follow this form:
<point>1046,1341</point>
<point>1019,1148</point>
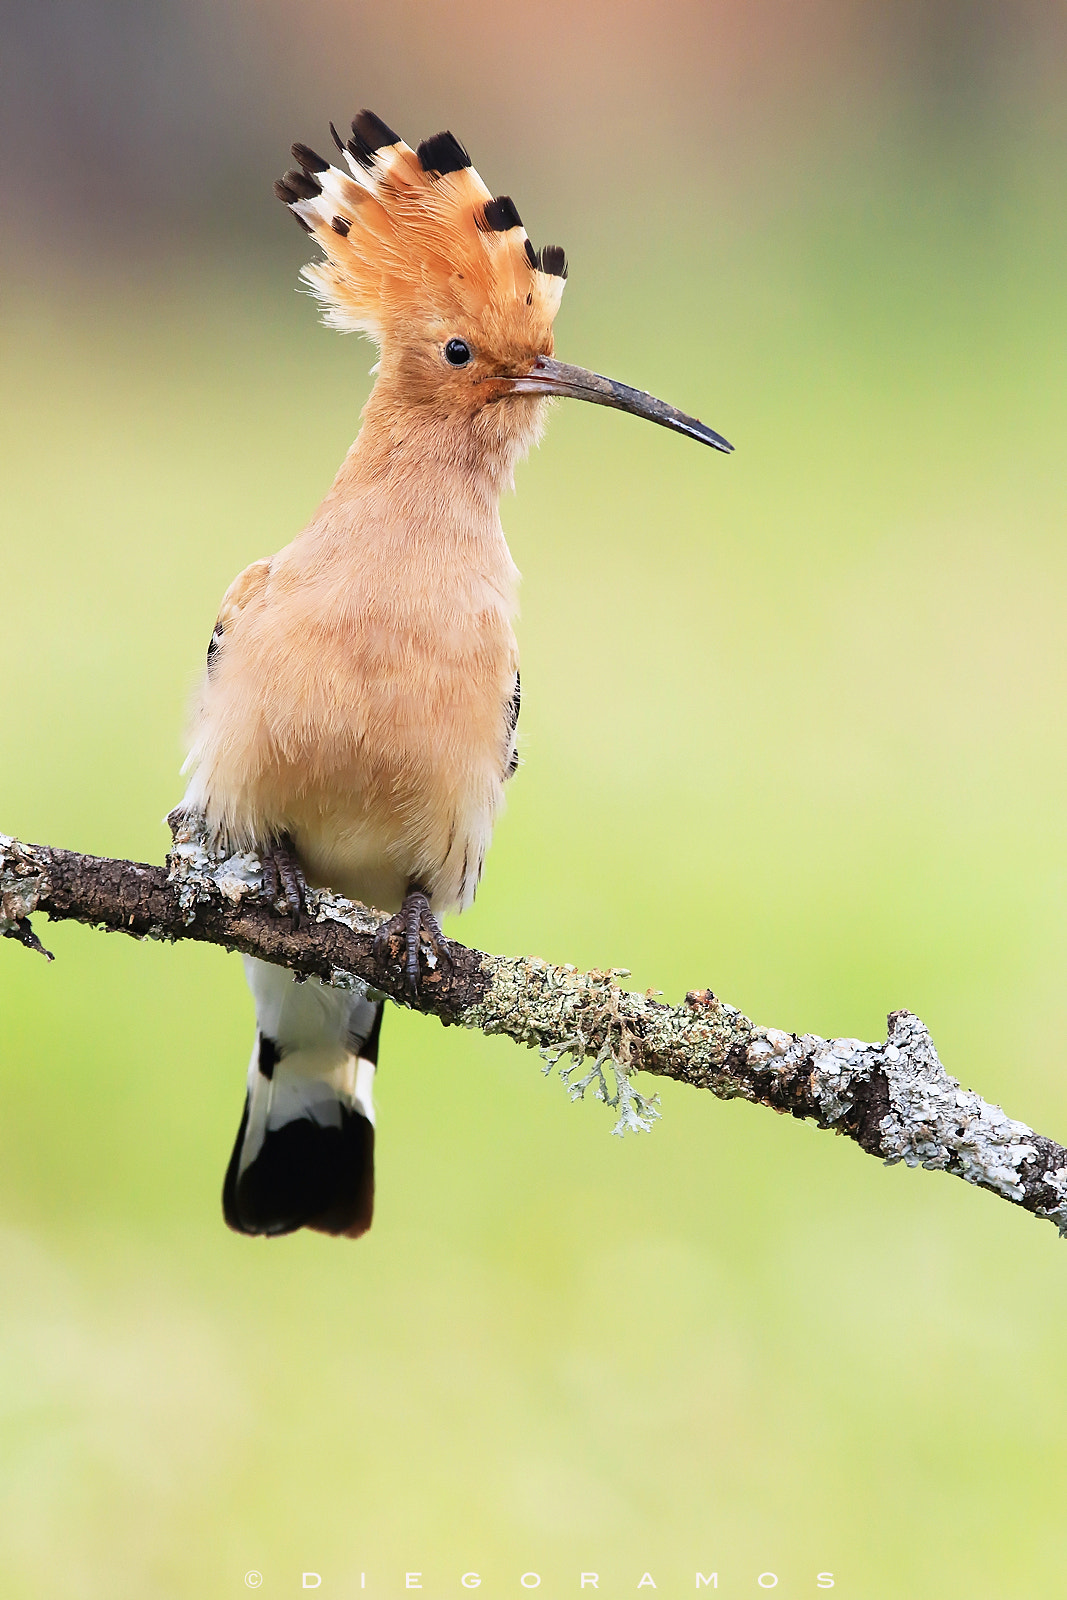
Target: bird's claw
<point>413,927</point>
<point>283,878</point>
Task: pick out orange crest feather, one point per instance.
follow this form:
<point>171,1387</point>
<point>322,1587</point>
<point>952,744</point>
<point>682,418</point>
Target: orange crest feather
<point>414,237</point>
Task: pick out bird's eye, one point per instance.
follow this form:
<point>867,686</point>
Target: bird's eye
<point>458,353</point>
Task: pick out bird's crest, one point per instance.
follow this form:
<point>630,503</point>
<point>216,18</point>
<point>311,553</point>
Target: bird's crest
<point>414,236</point>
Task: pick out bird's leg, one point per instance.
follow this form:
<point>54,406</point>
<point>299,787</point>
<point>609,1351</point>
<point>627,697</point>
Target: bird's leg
<point>283,876</point>
<point>414,926</point>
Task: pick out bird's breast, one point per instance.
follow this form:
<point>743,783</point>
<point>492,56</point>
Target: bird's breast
<point>363,716</point>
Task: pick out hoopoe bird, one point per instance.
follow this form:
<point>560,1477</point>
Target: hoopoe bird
<point>356,724</point>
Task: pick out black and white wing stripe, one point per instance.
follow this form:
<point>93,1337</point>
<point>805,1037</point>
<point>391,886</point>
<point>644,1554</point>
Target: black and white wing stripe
<point>512,715</point>
<point>248,585</point>
<point>213,647</point>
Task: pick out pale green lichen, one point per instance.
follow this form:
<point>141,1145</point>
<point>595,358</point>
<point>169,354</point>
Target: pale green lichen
<point>637,1112</point>
<point>930,1122</point>
<point>199,873</point>
<point>20,884</point>
<point>561,1012</point>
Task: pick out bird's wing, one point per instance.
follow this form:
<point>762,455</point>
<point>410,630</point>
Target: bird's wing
<point>245,587</point>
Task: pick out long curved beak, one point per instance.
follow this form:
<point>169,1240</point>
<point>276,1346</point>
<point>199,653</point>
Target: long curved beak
<point>556,377</point>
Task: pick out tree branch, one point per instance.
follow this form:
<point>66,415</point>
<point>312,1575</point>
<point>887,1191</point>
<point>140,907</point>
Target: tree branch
<point>895,1100</point>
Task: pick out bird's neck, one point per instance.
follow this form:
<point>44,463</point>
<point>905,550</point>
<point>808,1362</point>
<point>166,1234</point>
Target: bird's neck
<point>418,490</point>
<point>417,456</point>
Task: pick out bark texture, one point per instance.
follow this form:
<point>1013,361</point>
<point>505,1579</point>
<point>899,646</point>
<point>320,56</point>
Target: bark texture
<point>894,1099</point>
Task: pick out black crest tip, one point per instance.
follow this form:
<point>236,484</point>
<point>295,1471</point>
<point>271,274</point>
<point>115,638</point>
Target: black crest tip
<point>341,225</point>
<point>305,157</point>
<point>441,154</point>
<point>288,196</point>
<point>374,133</point>
<point>369,135</point>
<point>338,141</point>
<point>531,254</point>
<point>301,185</point>
<point>500,214</point>
<point>553,261</point>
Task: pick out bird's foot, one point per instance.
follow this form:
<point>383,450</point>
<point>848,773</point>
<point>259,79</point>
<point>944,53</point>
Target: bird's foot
<point>413,928</point>
<point>283,877</point>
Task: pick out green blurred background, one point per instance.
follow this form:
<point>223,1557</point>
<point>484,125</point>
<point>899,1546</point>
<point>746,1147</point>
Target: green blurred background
<point>791,728</point>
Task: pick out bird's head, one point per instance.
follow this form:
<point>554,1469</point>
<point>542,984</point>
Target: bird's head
<point>441,274</point>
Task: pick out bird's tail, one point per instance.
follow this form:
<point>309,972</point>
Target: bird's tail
<point>304,1156</point>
